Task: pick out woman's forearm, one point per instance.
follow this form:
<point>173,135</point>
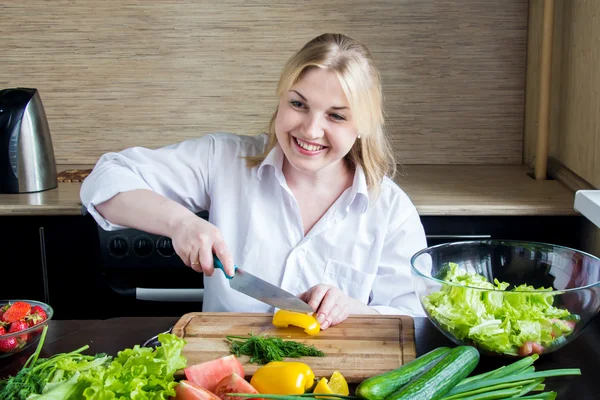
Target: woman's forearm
<point>144,210</point>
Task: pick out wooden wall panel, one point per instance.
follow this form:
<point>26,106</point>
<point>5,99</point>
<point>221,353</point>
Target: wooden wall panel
<point>575,90</point>
<point>575,93</point>
<point>118,73</point>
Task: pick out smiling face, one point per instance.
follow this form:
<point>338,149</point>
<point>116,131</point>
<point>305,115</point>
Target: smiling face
<point>314,125</point>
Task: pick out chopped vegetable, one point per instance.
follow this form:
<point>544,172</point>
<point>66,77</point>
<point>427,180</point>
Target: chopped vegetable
<point>263,349</point>
<point>336,384</point>
<point>207,374</point>
<point>233,383</point>
<point>498,320</point>
<point>285,318</point>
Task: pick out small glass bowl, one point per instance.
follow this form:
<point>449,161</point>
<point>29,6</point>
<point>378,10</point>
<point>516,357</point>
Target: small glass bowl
<point>508,322</point>
<point>23,339</point>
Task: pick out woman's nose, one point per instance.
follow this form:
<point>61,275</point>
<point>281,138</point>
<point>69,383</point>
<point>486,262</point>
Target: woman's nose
<point>313,128</point>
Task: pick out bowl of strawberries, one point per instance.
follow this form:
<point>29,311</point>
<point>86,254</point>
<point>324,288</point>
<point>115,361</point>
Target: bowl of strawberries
<point>21,323</point>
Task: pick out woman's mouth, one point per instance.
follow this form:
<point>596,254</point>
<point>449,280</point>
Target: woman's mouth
<point>307,148</point>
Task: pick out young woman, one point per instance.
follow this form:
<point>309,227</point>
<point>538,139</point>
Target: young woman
<point>309,206</point>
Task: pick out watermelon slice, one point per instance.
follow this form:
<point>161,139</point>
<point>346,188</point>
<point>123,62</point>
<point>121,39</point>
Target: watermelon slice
<point>209,373</point>
<point>186,390</point>
<point>234,384</point>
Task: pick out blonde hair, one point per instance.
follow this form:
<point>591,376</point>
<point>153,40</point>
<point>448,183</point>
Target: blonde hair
<point>360,80</point>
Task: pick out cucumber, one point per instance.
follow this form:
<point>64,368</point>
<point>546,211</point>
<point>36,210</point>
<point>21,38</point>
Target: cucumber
<point>380,386</point>
<point>442,377</point>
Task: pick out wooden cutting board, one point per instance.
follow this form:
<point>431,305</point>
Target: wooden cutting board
<point>360,347</point>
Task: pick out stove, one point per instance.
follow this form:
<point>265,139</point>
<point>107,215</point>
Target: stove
<point>142,273</point>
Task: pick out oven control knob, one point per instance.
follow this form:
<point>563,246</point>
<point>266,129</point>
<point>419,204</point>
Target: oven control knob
<point>164,246</point>
<point>118,246</point>
<point>142,246</point>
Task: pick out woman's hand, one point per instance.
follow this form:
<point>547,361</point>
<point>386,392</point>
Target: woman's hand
<point>195,240</point>
<point>332,305</point>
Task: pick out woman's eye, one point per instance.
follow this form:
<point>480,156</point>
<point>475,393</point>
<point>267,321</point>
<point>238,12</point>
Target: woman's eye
<point>296,103</point>
<point>338,117</point>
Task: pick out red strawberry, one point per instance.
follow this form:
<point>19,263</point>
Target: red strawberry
<point>7,345</point>
<point>2,310</point>
<point>16,311</point>
<point>40,311</point>
<point>37,316</point>
<point>19,326</point>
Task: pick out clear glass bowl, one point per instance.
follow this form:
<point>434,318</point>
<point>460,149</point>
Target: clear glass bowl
<point>508,321</point>
<point>23,339</point>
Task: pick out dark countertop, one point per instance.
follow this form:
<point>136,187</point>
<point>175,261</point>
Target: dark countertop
<point>112,335</point>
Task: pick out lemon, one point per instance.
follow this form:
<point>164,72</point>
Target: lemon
<point>335,385</point>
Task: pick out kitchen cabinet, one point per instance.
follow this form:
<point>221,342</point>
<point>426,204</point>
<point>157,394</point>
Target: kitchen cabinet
<point>71,254</point>
<point>50,259</point>
<point>21,268</point>
<point>559,230</point>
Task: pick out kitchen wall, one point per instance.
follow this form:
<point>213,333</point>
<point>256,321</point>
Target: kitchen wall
<point>118,73</point>
<point>574,125</point>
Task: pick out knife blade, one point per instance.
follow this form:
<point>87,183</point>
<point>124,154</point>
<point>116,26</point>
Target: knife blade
<point>261,290</point>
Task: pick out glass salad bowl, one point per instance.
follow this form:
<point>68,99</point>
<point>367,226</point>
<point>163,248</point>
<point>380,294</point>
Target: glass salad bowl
<point>508,298</point>
<point>30,321</point>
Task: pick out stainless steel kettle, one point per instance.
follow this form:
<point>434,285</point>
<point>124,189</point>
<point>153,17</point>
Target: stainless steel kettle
<point>27,161</point>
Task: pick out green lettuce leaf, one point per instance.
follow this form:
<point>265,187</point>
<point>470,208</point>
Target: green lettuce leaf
<point>494,319</point>
<point>138,373</point>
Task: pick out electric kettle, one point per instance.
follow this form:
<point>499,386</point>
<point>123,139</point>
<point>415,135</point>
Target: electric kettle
<point>27,161</point>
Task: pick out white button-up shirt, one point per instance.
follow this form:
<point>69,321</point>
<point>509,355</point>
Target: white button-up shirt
<point>361,245</point>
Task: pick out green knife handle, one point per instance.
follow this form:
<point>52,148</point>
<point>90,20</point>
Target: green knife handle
<point>219,265</point>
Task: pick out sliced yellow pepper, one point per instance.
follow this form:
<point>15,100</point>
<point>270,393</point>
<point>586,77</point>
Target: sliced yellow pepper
<point>284,318</point>
<point>336,384</point>
<point>283,377</point>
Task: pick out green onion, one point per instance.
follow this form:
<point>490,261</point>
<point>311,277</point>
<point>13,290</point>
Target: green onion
<point>541,396</point>
<point>478,377</point>
<point>515,367</point>
<point>33,358</point>
<point>516,378</point>
<point>525,370</point>
<point>486,389</point>
<point>532,386</point>
<point>293,397</point>
<point>496,394</point>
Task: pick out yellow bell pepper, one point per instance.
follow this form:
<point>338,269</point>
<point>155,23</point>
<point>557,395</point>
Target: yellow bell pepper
<point>284,318</point>
<point>283,377</point>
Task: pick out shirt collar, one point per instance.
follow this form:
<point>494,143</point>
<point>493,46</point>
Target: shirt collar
<point>273,159</point>
<point>358,198</point>
<point>359,192</point>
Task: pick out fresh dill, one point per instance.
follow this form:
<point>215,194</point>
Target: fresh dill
<point>263,349</point>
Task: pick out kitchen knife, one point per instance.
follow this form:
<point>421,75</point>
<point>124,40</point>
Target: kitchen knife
<point>261,290</point>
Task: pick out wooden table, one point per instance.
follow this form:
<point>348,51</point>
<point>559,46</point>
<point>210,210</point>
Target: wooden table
<point>112,335</point>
